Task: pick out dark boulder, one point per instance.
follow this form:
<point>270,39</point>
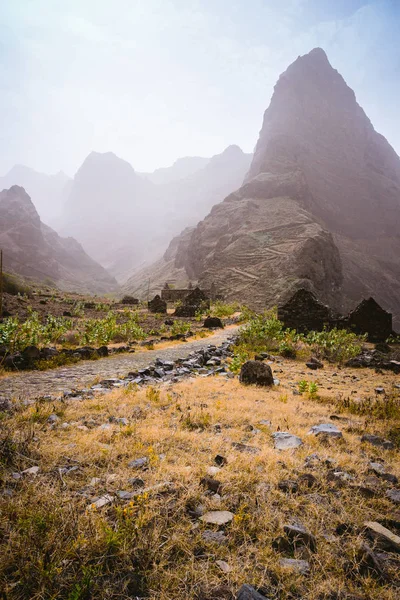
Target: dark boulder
<point>213,323</point>
<point>102,351</point>
<point>248,592</point>
<point>157,305</point>
<point>31,353</point>
<point>256,373</point>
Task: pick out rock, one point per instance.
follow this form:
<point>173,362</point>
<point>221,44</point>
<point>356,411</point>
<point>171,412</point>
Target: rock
<point>379,390</point>
<point>377,531</point>
<point>124,495</point>
<point>129,300</point>
<point>136,482</point>
<point>245,448</point>
<point>31,471</point>
<point>368,563</point>
<point>217,517</point>
<point>394,496</point>
<point>53,418</point>
<point>326,429</point>
<point>213,323</point>
<point>254,372</point>
<point>378,441</point>
<point>307,480</point>
<point>288,485</point>
<point>247,592</point>
<point>211,484</point>
<point>314,364</point>
<point>284,440</point>
<point>220,460</point>
<point>31,353</point>
<point>138,463</point>
<point>102,351</point>
<point>102,501</point>
<point>299,536</point>
<point>225,568</point>
<point>298,566</point>
<point>214,537</point>
<point>157,305</point>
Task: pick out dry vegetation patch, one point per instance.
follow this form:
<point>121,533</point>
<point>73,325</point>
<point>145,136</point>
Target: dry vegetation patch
<point>115,510</point>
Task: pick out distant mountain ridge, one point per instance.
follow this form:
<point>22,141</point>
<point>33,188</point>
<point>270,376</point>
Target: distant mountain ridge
<point>125,221</point>
<point>33,249</point>
<point>48,192</point>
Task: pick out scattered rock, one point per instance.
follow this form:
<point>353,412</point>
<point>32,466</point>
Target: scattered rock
<point>217,517</point>
<point>213,485</point>
<point>299,536</point>
<point>245,448</point>
<point>102,501</point>
<point>214,537</point>
<point>378,441</point>
<point>298,566</point>
<point>254,372</point>
<point>314,364</point>
<point>225,568</point>
<point>327,430</point>
<point>213,323</point>
<point>220,460</point>
<point>377,531</point>
<point>247,592</point>
<point>31,471</point>
<point>394,496</point>
<point>138,463</point>
<point>284,440</point>
<point>288,486</point>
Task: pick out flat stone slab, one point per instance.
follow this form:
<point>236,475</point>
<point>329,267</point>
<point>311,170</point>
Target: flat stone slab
<point>284,440</point>
<point>217,517</point>
<point>378,441</point>
<point>326,429</point>
<point>394,496</point>
<point>102,501</point>
<point>298,566</point>
<point>379,531</point>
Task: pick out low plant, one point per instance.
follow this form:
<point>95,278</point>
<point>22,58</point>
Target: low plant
<point>336,345</point>
<point>180,328</point>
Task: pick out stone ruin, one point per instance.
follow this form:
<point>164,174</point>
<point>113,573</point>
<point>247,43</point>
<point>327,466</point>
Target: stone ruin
<point>194,301</point>
<point>170,294</point>
<point>157,305</point>
<point>370,318</point>
<point>305,313</point>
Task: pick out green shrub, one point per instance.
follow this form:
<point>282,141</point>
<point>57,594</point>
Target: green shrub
<point>336,345</point>
<point>13,286</point>
<point>224,309</point>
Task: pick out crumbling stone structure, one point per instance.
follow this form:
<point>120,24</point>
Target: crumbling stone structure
<point>157,305</point>
<point>304,313</point>
<point>193,302</point>
<point>370,318</point>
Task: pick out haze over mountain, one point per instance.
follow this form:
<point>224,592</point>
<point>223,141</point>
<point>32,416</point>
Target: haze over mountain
<point>48,192</point>
<point>124,220</point>
<point>320,206</point>
<point>33,249</point>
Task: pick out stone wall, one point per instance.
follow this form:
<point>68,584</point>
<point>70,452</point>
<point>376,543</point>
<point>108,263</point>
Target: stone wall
<point>370,318</point>
<point>304,313</point>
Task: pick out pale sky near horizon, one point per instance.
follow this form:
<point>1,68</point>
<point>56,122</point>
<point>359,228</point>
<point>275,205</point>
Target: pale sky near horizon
<point>155,80</point>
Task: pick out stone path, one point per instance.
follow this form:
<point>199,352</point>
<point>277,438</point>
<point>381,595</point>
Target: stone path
<point>29,385</point>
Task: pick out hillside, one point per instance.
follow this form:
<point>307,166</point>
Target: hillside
<point>320,206</point>
<point>33,249</point>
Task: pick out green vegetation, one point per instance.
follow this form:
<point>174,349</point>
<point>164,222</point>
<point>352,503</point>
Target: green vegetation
<point>18,335</point>
<point>14,286</point>
<point>265,333</point>
<point>224,309</point>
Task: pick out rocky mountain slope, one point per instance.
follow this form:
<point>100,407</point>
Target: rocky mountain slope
<point>33,249</point>
<point>320,206</point>
<point>125,221</point>
<point>48,192</point>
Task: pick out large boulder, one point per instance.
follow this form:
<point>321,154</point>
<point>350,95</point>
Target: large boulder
<point>257,373</point>
<point>213,323</point>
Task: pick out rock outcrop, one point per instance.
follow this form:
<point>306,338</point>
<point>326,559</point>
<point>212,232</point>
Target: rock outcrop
<point>35,250</point>
<point>319,209</point>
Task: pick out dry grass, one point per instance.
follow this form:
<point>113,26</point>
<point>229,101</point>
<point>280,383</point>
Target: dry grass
<point>56,546</point>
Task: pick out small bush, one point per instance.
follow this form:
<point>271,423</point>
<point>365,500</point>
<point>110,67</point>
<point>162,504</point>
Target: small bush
<point>336,345</point>
<point>13,286</point>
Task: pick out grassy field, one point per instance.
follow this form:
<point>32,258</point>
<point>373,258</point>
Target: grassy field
<point>56,542</point>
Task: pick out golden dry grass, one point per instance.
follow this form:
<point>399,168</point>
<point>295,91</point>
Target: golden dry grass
<point>56,546</point>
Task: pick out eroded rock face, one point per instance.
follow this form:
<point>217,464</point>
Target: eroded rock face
<point>320,207</point>
<point>36,250</point>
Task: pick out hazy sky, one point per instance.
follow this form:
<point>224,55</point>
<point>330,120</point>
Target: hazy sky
<point>154,80</point>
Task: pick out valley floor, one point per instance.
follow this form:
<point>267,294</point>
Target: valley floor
<point>114,496</point>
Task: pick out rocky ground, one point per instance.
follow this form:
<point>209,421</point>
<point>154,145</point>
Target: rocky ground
<point>197,486</point>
